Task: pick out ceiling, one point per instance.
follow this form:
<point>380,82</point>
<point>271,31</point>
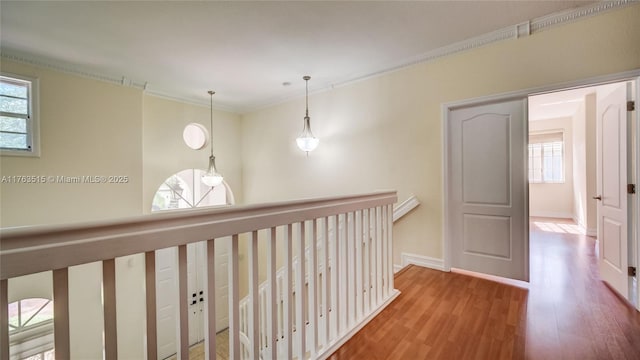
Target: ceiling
<point>564,103</point>
<point>245,51</point>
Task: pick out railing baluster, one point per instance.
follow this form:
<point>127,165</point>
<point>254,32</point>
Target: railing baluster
<point>358,263</point>
<point>300,293</point>
<point>325,281</point>
<point>272,311</point>
<point>288,295</point>
<point>378,256</point>
<point>4,319</point>
<point>373,263</point>
<point>335,286</point>
<point>389,250</point>
<point>313,290</point>
<point>342,257</point>
<point>383,246</point>
<point>183,295</point>
<point>254,326</point>
<point>109,312</point>
<point>351,273</point>
<point>210,305</point>
<point>234,301</point>
<point>367,260</point>
<point>61,313</point>
<point>150,290</point>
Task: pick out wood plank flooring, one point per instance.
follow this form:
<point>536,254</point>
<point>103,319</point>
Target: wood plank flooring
<point>567,312</point>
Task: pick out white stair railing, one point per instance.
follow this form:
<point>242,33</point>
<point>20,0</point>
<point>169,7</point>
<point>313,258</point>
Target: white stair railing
<point>301,314</point>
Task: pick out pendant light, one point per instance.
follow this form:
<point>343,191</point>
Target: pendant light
<point>212,177</point>
<point>306,141</point>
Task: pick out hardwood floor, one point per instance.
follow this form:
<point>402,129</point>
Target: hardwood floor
<point>566,313</point>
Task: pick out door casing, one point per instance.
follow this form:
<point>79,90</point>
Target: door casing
<point>633,75</point>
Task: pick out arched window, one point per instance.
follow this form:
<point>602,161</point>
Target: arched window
<point>184,190</point>
<point>31,329</point>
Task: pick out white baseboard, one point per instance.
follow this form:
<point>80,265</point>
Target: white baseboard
<point>551,214</point>
<point>397,268</point>
<point>420,260</point>
<point>502,280</point>
<point>583,227</point>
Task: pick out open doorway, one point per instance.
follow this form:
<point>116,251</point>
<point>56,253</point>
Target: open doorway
<point>580,160</point>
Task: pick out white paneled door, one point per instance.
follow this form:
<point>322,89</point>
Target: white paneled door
<point>167,293</point>
<point>487,222</point>
<point>611,186</point>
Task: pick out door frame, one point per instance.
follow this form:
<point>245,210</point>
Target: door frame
<point>523,94</point>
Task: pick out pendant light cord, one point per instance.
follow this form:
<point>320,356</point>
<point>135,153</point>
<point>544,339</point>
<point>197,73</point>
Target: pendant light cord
<point>211,117</point>
<point>307,97</point>
<point>306,79</point>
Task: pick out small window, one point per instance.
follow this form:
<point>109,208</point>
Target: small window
<point>18,120</point>
<point>546,157</point>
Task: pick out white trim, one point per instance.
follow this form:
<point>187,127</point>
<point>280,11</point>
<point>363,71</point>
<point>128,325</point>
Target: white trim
<point>397,268</point>
<point>345,337</point>
<point>553,214</point>
<point>420,260</point>
<point>637,182</point>
<point>405,207</point>
<point>500,279</point>
<point>515,31</point>
<point>583,228</point>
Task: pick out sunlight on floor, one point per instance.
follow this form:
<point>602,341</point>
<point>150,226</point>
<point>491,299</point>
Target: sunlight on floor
<point>558,227</point>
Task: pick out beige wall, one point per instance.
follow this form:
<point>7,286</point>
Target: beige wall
<point>164,150</point>
<point>91,127</point>
<point>548,199</point>
<point>385,132</point>
<point>87,127</point>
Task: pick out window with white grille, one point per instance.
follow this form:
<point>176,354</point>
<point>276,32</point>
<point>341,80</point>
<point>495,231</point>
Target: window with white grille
<point>546,157</point>
<point>18,121</point>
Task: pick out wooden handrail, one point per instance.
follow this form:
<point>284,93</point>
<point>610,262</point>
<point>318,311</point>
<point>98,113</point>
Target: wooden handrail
<point>27,250</point>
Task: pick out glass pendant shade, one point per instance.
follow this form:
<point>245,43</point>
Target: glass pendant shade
<point>306,141</point>
<point>212,177</point>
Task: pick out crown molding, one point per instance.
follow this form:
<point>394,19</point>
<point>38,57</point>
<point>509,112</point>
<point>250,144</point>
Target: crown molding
<point>68,68</point>
<point>511,32</point>
<point>192,101</point>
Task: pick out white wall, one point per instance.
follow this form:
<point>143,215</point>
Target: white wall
<point>385,132</point>
<point>551,199</point>
<point>584,170</point>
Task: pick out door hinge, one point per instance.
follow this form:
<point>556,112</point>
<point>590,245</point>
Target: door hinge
<point>631,105</point>
<point>631,188</point>
<point>632,271</point>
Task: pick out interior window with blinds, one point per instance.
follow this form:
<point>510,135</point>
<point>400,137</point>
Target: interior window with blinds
<point>546,157</point>
<point>17,125</point>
